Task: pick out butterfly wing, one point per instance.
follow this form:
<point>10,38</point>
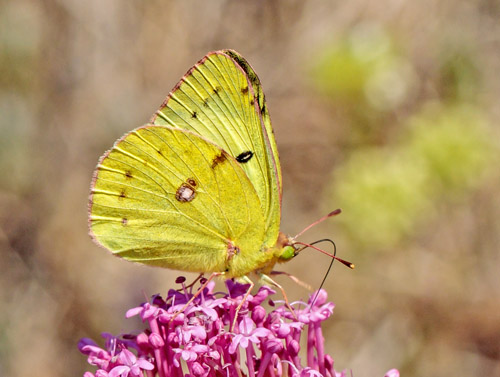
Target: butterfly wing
<point>221,98</point>
<point>168,197</point>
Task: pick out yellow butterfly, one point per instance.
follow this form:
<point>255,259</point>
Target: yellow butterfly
<point>199,189</point>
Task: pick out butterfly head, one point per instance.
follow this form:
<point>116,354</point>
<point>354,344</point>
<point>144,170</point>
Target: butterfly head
<point>286,248</point>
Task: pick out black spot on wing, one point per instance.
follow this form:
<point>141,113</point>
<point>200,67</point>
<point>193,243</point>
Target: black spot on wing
<point>123,194</point>
<point>244,90</point>
<point>194,115</point>
<point>128,174</point>
<point>244,157</point>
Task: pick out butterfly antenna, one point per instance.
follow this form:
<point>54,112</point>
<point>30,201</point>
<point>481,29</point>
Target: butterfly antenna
<point>333,256</point>
<point>329,267</point>
<point>331,214</point>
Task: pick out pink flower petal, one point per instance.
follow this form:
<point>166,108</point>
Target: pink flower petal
<point>127,357</point>
<point>144,364</point>
<point>119,371</point>
<point>392,373</point>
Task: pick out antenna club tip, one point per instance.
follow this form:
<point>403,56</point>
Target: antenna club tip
<point>336,212</point>
<point>352,266</point>
<point>345,263</point>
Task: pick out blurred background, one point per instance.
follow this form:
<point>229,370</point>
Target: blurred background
<point>388,110</point>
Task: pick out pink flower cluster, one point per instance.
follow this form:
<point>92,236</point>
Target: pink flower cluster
<point>197,342</point>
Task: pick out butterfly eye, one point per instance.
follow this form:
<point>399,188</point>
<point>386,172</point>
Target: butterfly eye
<point>288,253</point>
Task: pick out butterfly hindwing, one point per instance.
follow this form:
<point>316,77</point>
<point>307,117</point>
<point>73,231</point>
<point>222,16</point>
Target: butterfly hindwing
<point>168,197</point>
<point>221,99</point>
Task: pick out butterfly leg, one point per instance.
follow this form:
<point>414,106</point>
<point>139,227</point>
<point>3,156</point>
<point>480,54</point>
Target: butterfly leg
<point>198,292</point>
<point>252,284</point>
<point>267,279</point>
<point>190,285</point>
<point>293,278</point>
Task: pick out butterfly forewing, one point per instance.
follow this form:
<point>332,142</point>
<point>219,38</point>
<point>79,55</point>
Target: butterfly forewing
<point>221,99</point>
<point>262,111</point>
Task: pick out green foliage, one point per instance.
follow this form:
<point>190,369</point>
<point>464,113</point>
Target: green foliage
<point>364,70</point>
<point>454,145</point>
<point>459,76</point>
<point>366,77</point>
<point>380,192</point>
<point>385,192</point>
